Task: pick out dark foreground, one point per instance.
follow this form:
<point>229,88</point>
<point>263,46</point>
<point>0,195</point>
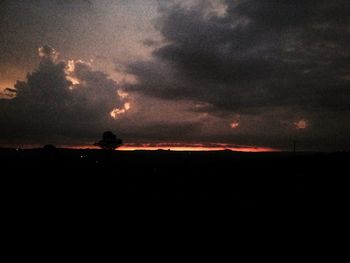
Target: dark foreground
<point>78,178</point>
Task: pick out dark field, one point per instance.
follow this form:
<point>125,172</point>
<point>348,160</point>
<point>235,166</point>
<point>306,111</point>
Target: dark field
<point>249,180</point>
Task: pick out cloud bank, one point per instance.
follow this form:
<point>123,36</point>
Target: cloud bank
<point>278,62</point>
<point>59,102</point>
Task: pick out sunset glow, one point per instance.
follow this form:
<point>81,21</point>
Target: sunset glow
<point>184,147</point>
<point>197,149</point>
<point>6,91</point>
<point>246,72</point>
<point>117,112</point>
<point>240,103</point>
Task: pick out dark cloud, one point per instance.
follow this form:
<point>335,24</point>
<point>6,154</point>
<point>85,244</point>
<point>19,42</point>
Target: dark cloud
<point>262,53</point>
<point>58,102</point>
<point>259,57</point>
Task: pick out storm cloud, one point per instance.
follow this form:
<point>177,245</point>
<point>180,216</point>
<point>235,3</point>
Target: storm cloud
<point>257,58</point>
<point>258,54</point>
<point>60,101</point>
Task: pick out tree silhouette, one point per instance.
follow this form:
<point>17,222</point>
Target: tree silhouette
<point>109,141</point>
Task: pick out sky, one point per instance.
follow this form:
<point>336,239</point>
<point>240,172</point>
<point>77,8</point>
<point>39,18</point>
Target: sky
<point>242,74</point>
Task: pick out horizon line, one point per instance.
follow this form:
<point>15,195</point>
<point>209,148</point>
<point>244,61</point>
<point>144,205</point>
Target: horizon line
<point>187,148</point>
<point>164,147</point>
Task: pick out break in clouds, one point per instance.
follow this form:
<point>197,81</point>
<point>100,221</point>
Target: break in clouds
<point>60,101</point>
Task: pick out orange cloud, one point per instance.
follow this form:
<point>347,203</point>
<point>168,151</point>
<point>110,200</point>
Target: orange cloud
<point>301,124</point>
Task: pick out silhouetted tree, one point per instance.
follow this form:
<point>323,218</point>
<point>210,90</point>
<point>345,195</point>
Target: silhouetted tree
<point>109,141</point>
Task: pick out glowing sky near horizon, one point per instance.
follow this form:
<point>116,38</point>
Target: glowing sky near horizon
<point>260,74</point>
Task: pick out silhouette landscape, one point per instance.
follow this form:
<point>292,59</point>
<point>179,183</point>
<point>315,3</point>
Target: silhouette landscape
<point>277,180</point>
<point>245,103</point>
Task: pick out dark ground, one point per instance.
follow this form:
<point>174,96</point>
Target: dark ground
<point>250,180</point>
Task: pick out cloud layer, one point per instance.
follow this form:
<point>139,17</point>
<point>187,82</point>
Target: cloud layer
<point>245,72</point>
<point>280,61</point>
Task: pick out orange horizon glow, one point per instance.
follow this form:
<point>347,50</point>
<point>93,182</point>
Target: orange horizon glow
<point>195,148</point>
